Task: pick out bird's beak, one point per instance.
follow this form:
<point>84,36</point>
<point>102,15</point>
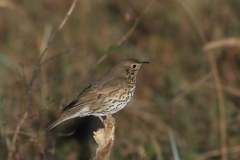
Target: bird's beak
<point>145,63</point>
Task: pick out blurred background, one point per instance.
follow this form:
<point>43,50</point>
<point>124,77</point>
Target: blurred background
<point>189,90</point>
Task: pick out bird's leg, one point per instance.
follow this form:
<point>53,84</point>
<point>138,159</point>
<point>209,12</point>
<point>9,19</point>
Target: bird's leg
<point>101,120</point>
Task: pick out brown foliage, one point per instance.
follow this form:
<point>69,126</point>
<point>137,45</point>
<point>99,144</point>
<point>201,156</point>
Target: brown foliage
<point>191,85</point>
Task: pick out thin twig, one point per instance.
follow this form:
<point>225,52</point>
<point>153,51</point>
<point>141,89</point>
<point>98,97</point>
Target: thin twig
<point>56,56</point>
<point>36,70</point>
<point>157,147</point>
<point>216,152</point>
<point>23,75</point>
<point>189,88</point>
<point>13,147</point>
<point>22,133</point>
<point>125,37</point>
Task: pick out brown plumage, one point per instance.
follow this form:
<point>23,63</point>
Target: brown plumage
<point>109,94</point>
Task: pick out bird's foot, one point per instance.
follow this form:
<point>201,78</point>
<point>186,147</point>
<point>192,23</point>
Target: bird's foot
<point>103,121</point>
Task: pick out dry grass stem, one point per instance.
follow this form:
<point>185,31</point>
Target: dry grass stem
<point>228,42</point>
<point>222,117</point>
<point>194,20</point>
<point>13,6</point>
<point>104,137</point>
<point>228,89</point>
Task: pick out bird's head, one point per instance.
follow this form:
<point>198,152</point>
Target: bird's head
<point>130,66</point>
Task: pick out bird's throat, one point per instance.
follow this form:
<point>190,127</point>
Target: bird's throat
<point>131,79</point>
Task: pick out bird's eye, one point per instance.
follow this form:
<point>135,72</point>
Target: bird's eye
<point>134,66</point>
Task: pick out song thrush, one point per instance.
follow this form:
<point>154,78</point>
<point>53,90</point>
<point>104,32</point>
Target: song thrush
<point>109,94</point>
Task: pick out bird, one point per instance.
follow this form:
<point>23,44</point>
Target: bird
<point>108,94</point>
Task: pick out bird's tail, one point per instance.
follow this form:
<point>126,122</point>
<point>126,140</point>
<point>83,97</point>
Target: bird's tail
<point>57,122</point>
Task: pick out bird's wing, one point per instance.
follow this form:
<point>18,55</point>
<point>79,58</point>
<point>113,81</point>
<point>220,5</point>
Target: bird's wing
<point>92,93</point>
<point>75,103</point>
